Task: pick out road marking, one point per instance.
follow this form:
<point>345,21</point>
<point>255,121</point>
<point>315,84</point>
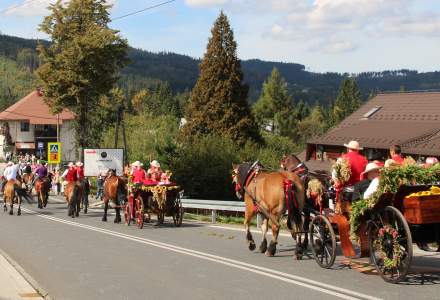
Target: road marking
<point>285,277</point>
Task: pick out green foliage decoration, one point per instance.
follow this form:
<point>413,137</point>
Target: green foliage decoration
<point>390,181</point>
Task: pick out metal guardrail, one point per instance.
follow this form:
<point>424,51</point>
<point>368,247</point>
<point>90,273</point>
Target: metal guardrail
<point>216,205</point>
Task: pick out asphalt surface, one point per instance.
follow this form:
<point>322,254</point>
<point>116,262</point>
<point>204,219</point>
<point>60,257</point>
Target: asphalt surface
<point>84,258</point>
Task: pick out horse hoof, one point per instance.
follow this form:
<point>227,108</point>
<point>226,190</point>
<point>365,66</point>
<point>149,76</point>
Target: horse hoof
<point>252,246</point>
<point>77,215</point>
<point>19,212</point>
<point>11,212</point>
<point>271,249</point>
<point>104,219</point>
<point>263,246</point>
<point>268,254</point>
<point>117,221</point>
<point>85,211</point>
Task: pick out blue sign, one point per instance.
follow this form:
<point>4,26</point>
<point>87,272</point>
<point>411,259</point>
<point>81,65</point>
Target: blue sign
<point>40,145</point>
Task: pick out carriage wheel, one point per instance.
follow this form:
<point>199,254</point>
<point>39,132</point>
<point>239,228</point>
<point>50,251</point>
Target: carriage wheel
<point>127,214</point>
<point>178,212</point>
<point>383,247</point>
<point>322,241</point>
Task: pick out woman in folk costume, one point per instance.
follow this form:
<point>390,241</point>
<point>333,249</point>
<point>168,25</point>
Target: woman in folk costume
<point>138,173</point>
<point>155,172</point>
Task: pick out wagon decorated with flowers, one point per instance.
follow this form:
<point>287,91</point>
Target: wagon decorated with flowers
<point>405,210</point>
<point>160,198</point>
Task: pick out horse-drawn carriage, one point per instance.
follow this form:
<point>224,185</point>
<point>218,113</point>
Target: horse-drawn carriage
<point>386,232</point>
<point>163,200</point>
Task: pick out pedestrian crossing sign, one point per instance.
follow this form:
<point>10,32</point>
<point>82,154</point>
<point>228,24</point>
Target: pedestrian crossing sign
<point>54,153</point>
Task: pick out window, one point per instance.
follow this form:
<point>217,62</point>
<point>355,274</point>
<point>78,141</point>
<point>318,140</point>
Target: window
<point>24,126</point>
<point>372,111</point>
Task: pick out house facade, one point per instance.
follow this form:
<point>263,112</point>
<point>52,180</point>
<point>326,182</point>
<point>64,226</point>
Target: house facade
<point>28,125</point>
<point>409,119</point>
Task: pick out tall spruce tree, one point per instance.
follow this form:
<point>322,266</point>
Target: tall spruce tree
<point>274,108</point>
<point>218,102</point>
<point>81,63</point>
<point>347,101</point>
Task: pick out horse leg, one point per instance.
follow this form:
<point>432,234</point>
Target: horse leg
<point>247,221</point>
<point>118,214</point>
<point>19,206</point>
<point>104,217</point>
<point>77,207</point>
<point>11,211</point>
<point>263,245</point>
<point>46,197</point>
<point>273,243</point>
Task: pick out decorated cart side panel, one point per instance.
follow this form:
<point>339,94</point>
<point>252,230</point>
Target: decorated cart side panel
<point>98,161</point>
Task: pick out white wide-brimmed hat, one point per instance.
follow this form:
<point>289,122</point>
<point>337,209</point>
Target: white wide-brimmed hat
<point>371,167</point>
<point>79,164</point>
<point>137,164</point>
<point>155,163</point>
<point>353,145</point>
<point>70,164</point>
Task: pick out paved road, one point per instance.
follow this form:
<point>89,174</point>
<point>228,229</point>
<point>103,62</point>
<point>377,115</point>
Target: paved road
<point>84,258</point>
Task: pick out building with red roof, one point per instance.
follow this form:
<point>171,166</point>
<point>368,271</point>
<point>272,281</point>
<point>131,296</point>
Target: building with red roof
<point>31,125</point>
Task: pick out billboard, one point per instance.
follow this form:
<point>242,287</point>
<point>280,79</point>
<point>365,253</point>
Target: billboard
<point>97,161</point>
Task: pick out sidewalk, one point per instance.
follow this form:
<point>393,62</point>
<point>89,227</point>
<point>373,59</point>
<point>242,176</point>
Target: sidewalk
<point>13,285</point>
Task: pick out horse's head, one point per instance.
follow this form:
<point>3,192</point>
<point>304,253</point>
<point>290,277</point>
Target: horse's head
<point>292,163</point>
<point>239,173</point>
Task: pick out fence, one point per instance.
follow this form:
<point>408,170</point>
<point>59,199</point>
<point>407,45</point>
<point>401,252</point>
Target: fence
<point>216,205</point>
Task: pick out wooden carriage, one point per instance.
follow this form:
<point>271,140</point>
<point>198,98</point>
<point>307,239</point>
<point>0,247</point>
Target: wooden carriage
<point>163,200</point>
<point>386,233</point>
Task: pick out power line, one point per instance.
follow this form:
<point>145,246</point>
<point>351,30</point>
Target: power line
<point>142,10</point>
<point>17,6</point>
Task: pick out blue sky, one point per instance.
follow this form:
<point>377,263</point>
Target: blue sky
<point>324,35</point>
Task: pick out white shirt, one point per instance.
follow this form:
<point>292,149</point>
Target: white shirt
<point>10,172</point>
<point>64,173</point>
<point>372,188</point>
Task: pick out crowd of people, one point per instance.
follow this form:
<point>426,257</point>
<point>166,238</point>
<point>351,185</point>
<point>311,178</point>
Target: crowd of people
<point>365,175</point>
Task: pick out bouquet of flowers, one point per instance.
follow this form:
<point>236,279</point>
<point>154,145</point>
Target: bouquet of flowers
<point>342,170</point>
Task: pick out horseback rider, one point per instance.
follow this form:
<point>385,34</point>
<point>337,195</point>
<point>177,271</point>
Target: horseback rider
<point>70,174</point>
<point>40,173</point>
<point>10,173</point>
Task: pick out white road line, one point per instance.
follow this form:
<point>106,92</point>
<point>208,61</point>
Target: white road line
<point>285,277</point>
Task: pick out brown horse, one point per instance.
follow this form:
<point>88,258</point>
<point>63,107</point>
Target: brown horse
<point>42,188</point>
<point>265,192</point>
<point>10,193</point>
<point>73,193</point>
<point>115,189</point>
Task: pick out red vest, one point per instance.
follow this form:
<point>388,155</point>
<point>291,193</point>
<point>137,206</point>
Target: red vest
<point>80,172</point>
<point>139,175</point>
<point>358,163</point>
<point>72,175</point>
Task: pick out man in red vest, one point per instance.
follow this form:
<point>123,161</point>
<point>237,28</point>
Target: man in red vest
<point>357,161</point>
<point>71,175</point>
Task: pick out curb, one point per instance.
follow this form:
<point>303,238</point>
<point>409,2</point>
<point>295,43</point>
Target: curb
<point>26,276</point>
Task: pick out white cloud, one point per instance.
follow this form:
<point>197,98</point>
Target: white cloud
<point>206,2</point>
<point>337,24</point>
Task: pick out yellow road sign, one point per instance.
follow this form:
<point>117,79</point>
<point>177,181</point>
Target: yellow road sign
<point>54,153</point>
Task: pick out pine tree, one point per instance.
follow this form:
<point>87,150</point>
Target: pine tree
<point>81,63</point>
<point>218,102</point>
<point>274,108</point>
<point>347,101</point>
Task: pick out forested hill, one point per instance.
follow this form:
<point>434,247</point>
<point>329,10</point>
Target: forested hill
<point>181,72</point>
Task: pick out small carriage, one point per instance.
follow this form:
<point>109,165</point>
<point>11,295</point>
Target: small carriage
<point>386,232</point>
<point>163,200</point>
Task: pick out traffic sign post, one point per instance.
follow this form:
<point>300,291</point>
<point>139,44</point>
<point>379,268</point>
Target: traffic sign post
<point>54,153</point>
